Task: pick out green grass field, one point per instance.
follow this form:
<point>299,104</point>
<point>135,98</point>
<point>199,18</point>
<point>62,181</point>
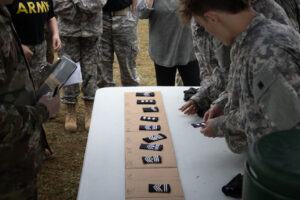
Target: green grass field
<point>60,175</point>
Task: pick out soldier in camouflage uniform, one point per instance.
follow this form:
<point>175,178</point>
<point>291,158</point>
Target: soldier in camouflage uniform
<point>264,86</point>
<point>119,36</point>
<point>214,61</point>
<point>80,25</point>
<point>22,140</point>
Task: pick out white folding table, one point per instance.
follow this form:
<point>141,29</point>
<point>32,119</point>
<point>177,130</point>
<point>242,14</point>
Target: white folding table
<point>204,164</point>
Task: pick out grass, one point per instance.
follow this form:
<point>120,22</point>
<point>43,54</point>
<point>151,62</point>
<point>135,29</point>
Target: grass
<point>60,175</point>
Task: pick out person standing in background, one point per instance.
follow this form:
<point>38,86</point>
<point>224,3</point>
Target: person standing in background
<point>29,18</point>
<point>170,43</point>
<point>120,37</point>
<point>80,25</point>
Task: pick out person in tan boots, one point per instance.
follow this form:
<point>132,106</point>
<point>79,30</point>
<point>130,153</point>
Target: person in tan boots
<point>80,25</point>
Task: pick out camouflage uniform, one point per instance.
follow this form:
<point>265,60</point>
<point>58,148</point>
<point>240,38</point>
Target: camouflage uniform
<point>214,57</point>
<point>212,83</point>
<point>21,133</point>
<point>264,86</point>
<point>119,36</point>
<point>292,9</point>
<point>270,9</point>
<point>38,59</point>
<point>212,89</point>
<point>80,26</point>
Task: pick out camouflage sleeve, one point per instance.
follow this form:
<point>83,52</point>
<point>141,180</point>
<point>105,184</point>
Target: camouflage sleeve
<point>212,76</point>
<point>276,86</point>
<point>201,98</point>
<point>221,74</point>
<point>15,121</point>
<point>142,9</point>
<point>18,120</point>
<point>221,100</point>
<point>210,89</point>
<point>298,13</point>
<point>231,127</point>
<point>198,44</point>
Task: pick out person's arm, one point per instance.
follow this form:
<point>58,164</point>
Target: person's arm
<point>134,2</point>
<point>27,52</point>
<point>56,43</point>
<point>221,100</point>
<point>235,137</point>
<point>144,8</point>
<point>276,86</point>
<point>16,121</point>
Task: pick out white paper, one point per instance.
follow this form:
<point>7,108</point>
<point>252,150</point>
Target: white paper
<point>76,77</point>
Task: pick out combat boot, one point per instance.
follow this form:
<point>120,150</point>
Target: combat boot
<point>88,113</point>
<point>71,121</point>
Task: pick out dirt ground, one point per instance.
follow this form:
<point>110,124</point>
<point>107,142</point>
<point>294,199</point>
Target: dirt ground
<point>60,175</point>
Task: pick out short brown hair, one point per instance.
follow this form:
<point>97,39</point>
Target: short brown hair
<point>199,7</point>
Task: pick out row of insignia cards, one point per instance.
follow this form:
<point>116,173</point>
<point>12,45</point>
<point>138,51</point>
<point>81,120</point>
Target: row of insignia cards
<point>155,159</point>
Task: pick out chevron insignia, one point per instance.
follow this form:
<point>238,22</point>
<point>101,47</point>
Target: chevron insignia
<point>154,147</point>
<point>155,109</point>
<point>162,188</point>
<point>150,127</point>
<point>151,159</point>
<point>155,138</point>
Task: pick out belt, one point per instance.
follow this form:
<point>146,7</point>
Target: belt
<point>122,12</point>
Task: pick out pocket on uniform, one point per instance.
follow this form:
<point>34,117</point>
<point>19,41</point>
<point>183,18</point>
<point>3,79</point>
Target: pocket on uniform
<point>277,99</point>
<point>65,9</point>
<point>134,50</point>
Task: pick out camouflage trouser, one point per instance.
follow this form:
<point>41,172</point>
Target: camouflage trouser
<point>50,53</point>
<point>119,36</point>
<point>38,59</point>
<point>83,50</point>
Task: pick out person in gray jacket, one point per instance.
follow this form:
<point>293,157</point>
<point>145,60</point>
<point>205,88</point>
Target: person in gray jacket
<point>170,43</point>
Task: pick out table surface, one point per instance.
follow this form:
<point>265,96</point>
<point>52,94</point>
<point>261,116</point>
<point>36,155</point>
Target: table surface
<point>204,164</point>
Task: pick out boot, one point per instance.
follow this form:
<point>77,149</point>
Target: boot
<point>71,121</point>
<point>88,113</point>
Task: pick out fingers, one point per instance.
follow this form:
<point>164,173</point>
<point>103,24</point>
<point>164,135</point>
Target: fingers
<point>190,108</point>
<point>206,115</point>
<point>191,111</point>
<point>28,53</point>
<point>185,106</point>
<point>207,131</point>
<point>211,114</point>
<point>56,44</point>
